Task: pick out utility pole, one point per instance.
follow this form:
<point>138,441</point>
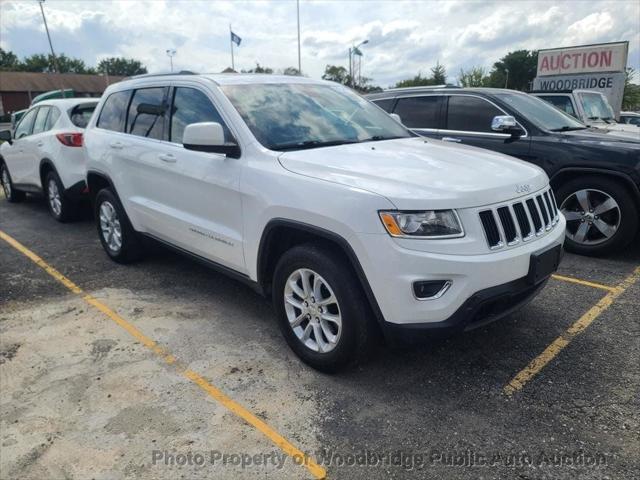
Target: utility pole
<point>350,69</point>
<point>506,80</point>
<point>53,54</point>
<point>299,59</point>
<point>354,51</point>
<point>170,53</point>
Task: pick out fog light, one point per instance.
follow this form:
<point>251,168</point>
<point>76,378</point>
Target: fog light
<point>430,289</point>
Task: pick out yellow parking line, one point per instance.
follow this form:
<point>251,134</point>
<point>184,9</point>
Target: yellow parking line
<point>316,470</point>
<point>583,282</point>
<point>549,353</point>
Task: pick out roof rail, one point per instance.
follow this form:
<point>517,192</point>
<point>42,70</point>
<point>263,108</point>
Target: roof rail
<point>423,87</point>
<point>164,74</point>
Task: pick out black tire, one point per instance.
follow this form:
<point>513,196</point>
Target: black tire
<point>129,249</point>
<point>67,210</point>
<point>358,332</point>
<point>12,195</point>
<point>628,216</point>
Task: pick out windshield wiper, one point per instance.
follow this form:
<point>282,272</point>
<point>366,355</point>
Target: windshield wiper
<point>567,128</point>
<point>309,144</point>
<point>377,138</point>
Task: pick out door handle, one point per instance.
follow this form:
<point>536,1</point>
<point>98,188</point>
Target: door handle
<point>452,139</point>
<point>167,157</point>
<point>39,144</point>
<point>116,145</point>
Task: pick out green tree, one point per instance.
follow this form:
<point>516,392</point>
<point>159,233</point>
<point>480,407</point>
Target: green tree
<point>516,70</point>
<point>631,96</point>
<point>121,66</point>
<point>439,74</point>
<point>474,77</point>
<point>44,63</point>
<point>259,69</point>
<point>8,61</point>
<point>417,81</point>
<point>438,77</point>
<point>337,74</point>
<point>294,72</point>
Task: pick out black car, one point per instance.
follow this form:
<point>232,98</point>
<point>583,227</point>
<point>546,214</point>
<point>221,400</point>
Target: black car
<point>595,175</point>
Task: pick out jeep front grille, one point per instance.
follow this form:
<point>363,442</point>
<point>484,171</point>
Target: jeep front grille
<point>520,221</point>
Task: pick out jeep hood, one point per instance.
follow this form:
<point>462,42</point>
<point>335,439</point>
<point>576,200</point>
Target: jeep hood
<point>418,173</point>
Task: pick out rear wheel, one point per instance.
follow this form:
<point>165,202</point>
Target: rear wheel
<point>601,214</point>
<point>62,208</point>
<point>13,195</point>
<point>117,236</point>
<point>322,311</point>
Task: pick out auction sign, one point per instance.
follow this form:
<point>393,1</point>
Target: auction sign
<point>589,67</point>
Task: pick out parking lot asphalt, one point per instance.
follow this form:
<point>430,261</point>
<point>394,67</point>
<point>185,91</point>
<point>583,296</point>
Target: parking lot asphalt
<point>80,397</point>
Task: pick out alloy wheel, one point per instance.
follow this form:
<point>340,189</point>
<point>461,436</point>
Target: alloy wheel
<point>6,182</point>
<point>593,216</point>
<point>110,227</point>
<point>312,310</point>
<point>55,201</point>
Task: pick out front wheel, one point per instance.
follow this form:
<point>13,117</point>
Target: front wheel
<point>601,214</point>
<point>117,235</point>
<point>322,311</point>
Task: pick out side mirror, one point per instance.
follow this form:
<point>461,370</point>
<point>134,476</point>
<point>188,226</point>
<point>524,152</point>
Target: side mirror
<point>208,137</point>
<point>5,136</point>
<point>506,124</point>
<point>396,117</point>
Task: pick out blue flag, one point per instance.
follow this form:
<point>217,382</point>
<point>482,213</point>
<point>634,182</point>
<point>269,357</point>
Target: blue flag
<point>235,39</point>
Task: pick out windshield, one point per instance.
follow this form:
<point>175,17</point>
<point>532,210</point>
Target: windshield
<point>540,112</point>
<point>596,106</point>
<point>296,116</point>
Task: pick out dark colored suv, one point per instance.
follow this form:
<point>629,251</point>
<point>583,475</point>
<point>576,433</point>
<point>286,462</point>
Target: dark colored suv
<point>595,175</point>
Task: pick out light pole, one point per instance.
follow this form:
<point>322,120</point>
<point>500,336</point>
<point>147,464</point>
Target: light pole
<point>53,54</point>
<point>355,50</point>
<point>506,80</point>
<point>170,53</point>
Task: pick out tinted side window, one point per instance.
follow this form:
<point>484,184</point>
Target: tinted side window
<point>470,114</point>
<point>419,112</point>
<point>113,112</point>
<point>385,104</point>
<point>41,120</point>
<point>192,106</point>
<point>24,127</point>
<point>561,102</point>
<point>81,114</point>
<point>54,115</point>
<point>146,113</point>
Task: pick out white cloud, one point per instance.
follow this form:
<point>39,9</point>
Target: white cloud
<point>404,37</point>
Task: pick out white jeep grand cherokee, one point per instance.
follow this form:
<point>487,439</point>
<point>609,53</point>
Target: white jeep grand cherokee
<point>319,199</point>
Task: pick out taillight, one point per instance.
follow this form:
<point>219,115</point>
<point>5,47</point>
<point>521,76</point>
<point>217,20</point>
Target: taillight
<point>70,139</point>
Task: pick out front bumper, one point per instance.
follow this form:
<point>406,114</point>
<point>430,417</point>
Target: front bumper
<point>483,307</point>
<point>475,279</point>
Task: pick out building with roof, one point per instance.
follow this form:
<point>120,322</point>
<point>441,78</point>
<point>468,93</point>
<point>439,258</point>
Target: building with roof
<point>17,89</point>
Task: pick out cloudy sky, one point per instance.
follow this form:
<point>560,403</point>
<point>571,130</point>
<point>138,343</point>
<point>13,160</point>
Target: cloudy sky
<point>404,37</point>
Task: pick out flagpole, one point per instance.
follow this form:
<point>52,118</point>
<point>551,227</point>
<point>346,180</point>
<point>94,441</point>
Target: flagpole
<point>233,67</point>
<point>299,60</point>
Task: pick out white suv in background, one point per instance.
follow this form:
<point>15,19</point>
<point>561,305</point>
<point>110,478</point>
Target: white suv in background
<point>319,199</point>
<point>44,155</point>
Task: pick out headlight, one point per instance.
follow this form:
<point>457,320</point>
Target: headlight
<point>429,224</point>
